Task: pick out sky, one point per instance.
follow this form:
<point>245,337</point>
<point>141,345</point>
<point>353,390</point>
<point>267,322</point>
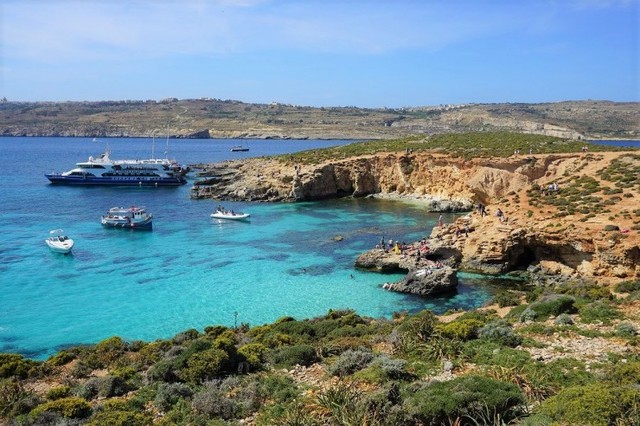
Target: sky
<point>364,53</point>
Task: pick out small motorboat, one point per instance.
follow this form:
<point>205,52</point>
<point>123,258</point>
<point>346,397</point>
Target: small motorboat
<point>128,218</point>
<point>239,148</point>
<point>58,242</point>
<point>221,213</point>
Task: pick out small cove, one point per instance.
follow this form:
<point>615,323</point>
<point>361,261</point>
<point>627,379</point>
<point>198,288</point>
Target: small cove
<point>191,271</point>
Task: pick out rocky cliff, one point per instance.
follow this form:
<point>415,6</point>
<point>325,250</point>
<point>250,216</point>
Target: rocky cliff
<point>578,231</point>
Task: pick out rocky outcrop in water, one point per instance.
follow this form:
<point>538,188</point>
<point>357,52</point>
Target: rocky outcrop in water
<point>426,282</point>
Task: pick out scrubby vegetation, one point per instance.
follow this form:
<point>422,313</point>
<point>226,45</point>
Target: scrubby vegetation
<point>344,369</point>
<point>473,144</point>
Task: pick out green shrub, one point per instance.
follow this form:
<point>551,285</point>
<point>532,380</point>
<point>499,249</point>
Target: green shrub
<point>254,354</point>
<point>460,329</point>
<point>623,373</point>
<point>71,407</point>
<point>119,418</point>
<point>205,365</point>
<point>58,392</point>
<point>341,344</point>
<point>165,370</point>
<point>609,228</point>
<point>15,365</point>
<point>109,350</point>
<point>593,404</point>
<point>486,352</point>
<point>419,326</point>
<point>626,329</point>
<point>15,399</point>
<point>628,286</point>
<point>552,305</point>
<point>169,393</point>
<point>584,290</point>
<point>289,356</point>
<point>61,358</point>
<point>471,397</point>
<point>227,399</point>
<point>391,368</point>
<point>598,311</point>
<point>500,332</point>
<point>215,331</point>
<point>103,387</point>
<point>350,361</point>
<point>506,298</point>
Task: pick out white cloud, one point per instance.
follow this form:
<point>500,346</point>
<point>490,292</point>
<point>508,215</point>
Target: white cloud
<point>62,30</point>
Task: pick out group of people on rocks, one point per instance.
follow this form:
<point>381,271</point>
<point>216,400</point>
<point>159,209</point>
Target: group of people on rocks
<point>395,246</point>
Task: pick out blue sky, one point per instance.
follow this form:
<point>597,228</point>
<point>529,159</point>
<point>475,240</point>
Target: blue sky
<point>374,53</point>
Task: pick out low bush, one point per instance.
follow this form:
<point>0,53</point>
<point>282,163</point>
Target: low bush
<point>342,344</point>
<point>627,286</point>
<point>58,392</point>
<point>15,365</point>
<point>552,305</point>
<point>593,404</point>
<point>420,326</point>
<point>599,311</point>
<point>205,365</point>
<point>119,418</point>
<point>475,398</point>
<point>626,329</point>
<point>350,361</point>
<point>586,291</point>
<point>490,353</point>
<point>227,399</point>
<point>460,329</point>
<point>623,373</point>
<point>289,356</point>
<point>391,368</point>
<point>500,332</point>
<point>169,393</point>
<point>254,354</point>
<point>506,298</point>
<point>71,407</point>
<point>61,358</point>
<point>15,399</point>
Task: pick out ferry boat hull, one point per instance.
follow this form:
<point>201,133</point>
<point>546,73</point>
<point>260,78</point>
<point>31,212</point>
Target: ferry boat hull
<point>60,179</point>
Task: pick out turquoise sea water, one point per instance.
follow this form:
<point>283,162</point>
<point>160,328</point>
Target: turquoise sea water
<point>190,271</point>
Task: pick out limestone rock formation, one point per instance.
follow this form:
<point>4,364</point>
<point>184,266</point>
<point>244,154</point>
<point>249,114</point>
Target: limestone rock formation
<point>528,233</point>
<point>426,282</point>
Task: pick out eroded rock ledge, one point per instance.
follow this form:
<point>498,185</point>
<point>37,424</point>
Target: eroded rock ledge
<point>527,237</point>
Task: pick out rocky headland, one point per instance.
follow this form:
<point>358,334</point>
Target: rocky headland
<point>583,228</point>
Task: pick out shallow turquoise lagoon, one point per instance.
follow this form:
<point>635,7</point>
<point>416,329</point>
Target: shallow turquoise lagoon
<point>190,271</point>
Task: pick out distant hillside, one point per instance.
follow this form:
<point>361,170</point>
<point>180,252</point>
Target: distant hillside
<point>214,118</point>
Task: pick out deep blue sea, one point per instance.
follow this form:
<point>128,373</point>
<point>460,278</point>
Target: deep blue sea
<point>190,271</point>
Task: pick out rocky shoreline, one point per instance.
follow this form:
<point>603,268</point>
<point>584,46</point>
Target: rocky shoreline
<point>526,238</point>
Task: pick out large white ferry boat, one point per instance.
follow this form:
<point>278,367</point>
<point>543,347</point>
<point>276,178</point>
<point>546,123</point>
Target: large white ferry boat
<point>105,171</point>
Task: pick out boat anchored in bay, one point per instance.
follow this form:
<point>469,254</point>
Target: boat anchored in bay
<point>58,242</point>
<point>222,213</point>
<point>105,171</point>
<point>128,218</point>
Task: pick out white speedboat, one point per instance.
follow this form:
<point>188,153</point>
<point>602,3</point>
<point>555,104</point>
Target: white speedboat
<point>58,242</point>
<point>128,218</point>
<point>221,213</point>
